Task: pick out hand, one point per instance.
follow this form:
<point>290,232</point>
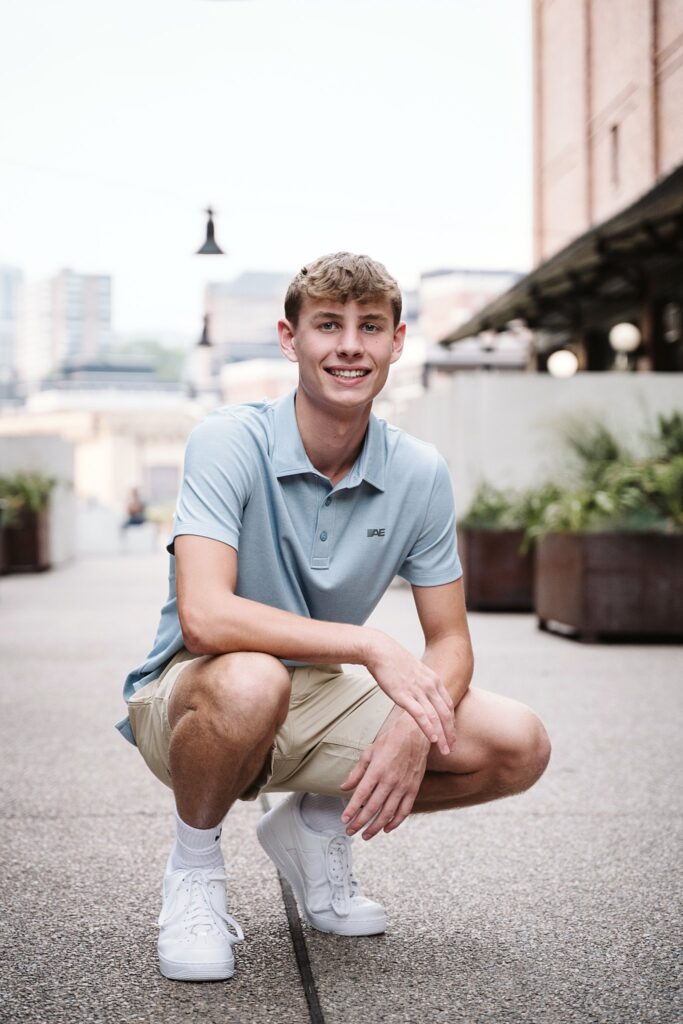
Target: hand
<point>387,777</point>
<point>414,687</point>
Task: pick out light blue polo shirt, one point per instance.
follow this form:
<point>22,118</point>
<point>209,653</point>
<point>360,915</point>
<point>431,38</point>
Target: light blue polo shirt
<point>303,545</point>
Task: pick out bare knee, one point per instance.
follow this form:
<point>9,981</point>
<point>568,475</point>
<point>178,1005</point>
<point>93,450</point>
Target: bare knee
<point>240,688</point>
<point>522,752</point>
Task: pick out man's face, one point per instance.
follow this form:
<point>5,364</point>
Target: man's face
<point>344,350</point>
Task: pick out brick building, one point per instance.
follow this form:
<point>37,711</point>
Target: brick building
<point>608,185</point>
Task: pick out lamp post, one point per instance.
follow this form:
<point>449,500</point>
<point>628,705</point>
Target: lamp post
<point>202,361</point>
<point>624,339</point>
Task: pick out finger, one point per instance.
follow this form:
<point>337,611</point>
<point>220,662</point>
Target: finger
<point>360,797</point>
<point>356,773</point>
<point>404,809</point>
<point>432,705</point>
<point>371,808</point>
<point>450,707</point>
<point>391,805</point>
<point>427,720</point>
<point>447,721</point>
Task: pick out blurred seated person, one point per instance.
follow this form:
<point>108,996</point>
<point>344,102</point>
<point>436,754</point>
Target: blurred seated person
<point>135,510</point>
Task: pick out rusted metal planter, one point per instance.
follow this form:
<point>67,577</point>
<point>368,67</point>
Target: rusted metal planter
<point>496,576</point>
<point>606,585</point>
<point>27,543</point>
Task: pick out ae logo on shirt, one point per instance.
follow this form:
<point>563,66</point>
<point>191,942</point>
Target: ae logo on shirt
<point>377,533</point>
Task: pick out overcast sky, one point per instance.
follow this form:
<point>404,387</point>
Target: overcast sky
<point>401,128</point>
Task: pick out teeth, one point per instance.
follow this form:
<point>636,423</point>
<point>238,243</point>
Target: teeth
<point>348,373</point>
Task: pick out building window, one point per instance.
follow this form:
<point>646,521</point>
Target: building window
<point>614,154</point>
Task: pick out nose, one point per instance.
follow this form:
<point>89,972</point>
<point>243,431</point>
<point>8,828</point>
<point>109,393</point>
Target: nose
<point>350,342</point>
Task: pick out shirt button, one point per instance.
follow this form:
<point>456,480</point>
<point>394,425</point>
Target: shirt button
<point>323,535</point>
<point>328,501</point>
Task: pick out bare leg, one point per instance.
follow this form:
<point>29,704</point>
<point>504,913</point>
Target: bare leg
<point>224,713</point>
<point>501,748</point>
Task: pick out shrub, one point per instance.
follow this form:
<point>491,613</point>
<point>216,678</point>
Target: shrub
<point>24,490</point>
<point>609,490</point>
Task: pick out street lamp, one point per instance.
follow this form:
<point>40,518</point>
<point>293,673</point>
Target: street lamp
<point>562,363</point>
<point>210,248</point>
<point>624,339</point>
<point>201,363</point>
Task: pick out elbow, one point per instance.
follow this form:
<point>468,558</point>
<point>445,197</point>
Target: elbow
<point>198,636</point>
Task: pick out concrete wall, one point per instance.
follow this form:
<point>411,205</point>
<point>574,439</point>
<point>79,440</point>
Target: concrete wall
<point>54,457</point>
<point>503,428</point>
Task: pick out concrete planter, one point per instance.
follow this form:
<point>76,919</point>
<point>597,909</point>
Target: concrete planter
<point>497,577</point>
<point>27,543</point>
<point>597,585</point>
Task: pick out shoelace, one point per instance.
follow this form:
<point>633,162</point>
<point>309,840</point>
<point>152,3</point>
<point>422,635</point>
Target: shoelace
<point>340,874</point>
<point>202,916</point>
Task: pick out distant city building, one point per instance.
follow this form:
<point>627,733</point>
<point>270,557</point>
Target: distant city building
<point>81,316</point>
<point>11,300</point>
<point>447,298</point>
<point>58,322</point>
<point>35,356</point>
<point>244,313</point>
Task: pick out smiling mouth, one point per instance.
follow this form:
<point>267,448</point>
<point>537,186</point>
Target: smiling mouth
<point>347,374</point>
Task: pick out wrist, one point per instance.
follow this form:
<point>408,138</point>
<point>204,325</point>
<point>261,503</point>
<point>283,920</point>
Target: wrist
<point>372,642</point>
<point>402,725</point>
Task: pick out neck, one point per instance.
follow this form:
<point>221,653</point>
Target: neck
<point>332,442</point>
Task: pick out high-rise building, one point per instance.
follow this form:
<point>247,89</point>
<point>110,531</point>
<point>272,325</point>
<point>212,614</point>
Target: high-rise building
<point>55,322</point>
<point>81,316</point>
<point>11,296</point>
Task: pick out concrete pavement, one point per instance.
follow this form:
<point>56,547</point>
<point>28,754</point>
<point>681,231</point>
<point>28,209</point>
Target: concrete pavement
<point>561,905</point>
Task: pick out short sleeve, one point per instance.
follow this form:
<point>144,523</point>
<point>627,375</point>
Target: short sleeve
<point>217,481</point>
<point>433,558</point>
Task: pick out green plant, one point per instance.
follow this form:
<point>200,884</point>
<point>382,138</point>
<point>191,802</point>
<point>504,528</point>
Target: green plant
<point>609,490</point>
<point>25,490</point>
<point>594,448</point>
<point>634,496</point>
<point>667,442</point>
<point>491,509</point>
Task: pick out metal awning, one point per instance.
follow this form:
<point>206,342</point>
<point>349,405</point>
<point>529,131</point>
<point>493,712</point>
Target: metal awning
<point>606,265</point>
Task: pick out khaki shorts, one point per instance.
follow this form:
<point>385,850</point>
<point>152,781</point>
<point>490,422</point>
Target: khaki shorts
<point>333,715</point>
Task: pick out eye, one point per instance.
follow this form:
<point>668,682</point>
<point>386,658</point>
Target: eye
<point>327,325</point>
<point>371,328</point>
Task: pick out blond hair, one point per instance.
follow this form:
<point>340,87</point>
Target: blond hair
<point>342,276</point>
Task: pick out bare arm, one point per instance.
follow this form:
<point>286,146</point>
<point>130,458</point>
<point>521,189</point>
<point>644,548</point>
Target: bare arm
<point>389,772</point>
<point>214,620</point>
<point>448,647</point>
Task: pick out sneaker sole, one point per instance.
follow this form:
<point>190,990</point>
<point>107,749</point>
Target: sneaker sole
<point>177,971</point>
<point>289,868</point>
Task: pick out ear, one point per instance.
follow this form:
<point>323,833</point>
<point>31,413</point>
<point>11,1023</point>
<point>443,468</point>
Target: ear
<point>286,335</point>
<point>397,342</point>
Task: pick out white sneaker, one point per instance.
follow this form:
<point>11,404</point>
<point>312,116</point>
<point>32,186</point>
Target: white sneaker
<point>318,867</point>
<point>195,941</point>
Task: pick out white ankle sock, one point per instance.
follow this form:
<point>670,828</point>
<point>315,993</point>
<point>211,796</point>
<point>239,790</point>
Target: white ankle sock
<point>323,813</point>
<point>196,847</point>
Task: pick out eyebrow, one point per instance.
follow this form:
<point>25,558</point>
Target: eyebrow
<point>336,316</point>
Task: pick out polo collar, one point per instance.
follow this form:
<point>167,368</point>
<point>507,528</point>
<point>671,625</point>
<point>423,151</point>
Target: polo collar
<point>289,455</point>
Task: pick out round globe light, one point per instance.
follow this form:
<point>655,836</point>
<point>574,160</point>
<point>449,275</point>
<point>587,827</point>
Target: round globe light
<point>624,337</point>
<point>562,363</point>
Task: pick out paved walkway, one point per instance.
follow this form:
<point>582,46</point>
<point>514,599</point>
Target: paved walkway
<point>556,906</point>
